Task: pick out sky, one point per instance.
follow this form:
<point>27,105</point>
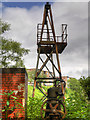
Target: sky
<point>45,0</point>
<point>24,17</point>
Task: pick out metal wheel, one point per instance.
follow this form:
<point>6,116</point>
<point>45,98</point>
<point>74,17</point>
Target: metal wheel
<point>44,110</point>
<point>57,110</point>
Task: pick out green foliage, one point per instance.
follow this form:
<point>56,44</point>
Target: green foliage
<point>31,75</point>
<point>33,109</point>
<point>74,84</point>
<point>4,27</point>
<point>38,94</point>
<point>76,106</point>
<point>34,104</point>
<point>76,88</point>
<point>85,83</point>
<point>7,107</point>
<point>11,52</point>
<point>76,103</point>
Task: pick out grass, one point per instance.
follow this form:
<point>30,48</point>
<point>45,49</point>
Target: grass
<point>38,94</point>
<point>75,110</point>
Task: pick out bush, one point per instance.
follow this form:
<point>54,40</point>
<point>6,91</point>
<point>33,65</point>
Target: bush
<point>76,103</point>
<point>76,106</point>
<point>33,109</point>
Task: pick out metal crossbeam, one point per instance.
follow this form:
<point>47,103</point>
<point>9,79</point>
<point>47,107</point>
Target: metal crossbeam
<point>48,44</point>
<point>46,67</point>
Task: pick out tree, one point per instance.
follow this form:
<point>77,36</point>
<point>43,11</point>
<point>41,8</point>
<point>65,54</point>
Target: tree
<point>31,75</point>
<point>85,83</point>
<point>77,105</point>
<point>11,52</point>
<point>76,88</point>
<point>74,84</point>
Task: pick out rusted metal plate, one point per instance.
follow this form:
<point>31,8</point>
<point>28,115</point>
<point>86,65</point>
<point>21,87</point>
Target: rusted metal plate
<point>47,49</point>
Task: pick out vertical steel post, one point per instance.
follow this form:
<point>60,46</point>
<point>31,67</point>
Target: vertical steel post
<point>56,48</point>
<point>53,68</point>
<point>43,24</point>
<point>55,42</point>
<point>36,74</point>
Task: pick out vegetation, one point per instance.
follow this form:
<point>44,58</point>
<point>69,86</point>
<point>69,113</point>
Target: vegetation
<point>76,106</point>
<point>31,75</point>
<point>76,102</point>
<point>7,108</point>
<point>11,52</point>
<point>85,83</point>
<point>77,97</point>
<point>34,106</point>
<point>38,94</point>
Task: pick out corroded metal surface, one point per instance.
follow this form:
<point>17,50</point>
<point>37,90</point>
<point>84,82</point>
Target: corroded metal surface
<point>48,44</point>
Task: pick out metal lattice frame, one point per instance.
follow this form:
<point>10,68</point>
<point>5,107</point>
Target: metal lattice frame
<point>48,46</point>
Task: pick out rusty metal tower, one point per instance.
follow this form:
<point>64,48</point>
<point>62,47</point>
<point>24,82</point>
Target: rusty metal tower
<point>48,44</point>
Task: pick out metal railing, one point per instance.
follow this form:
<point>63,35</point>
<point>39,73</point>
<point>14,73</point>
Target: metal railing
<point>62,38</point>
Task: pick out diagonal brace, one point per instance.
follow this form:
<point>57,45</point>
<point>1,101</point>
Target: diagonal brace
<point>46,66</point>
<point>44,63</point>
<point>54,65</point>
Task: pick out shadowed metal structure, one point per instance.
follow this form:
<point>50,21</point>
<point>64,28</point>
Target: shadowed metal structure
<point>49,44</point>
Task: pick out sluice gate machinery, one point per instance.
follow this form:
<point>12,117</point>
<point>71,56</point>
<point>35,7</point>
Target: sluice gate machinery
<point>50,45</point>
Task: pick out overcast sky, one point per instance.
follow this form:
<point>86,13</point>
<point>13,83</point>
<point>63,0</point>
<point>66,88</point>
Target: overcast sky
<point>24,18</point>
